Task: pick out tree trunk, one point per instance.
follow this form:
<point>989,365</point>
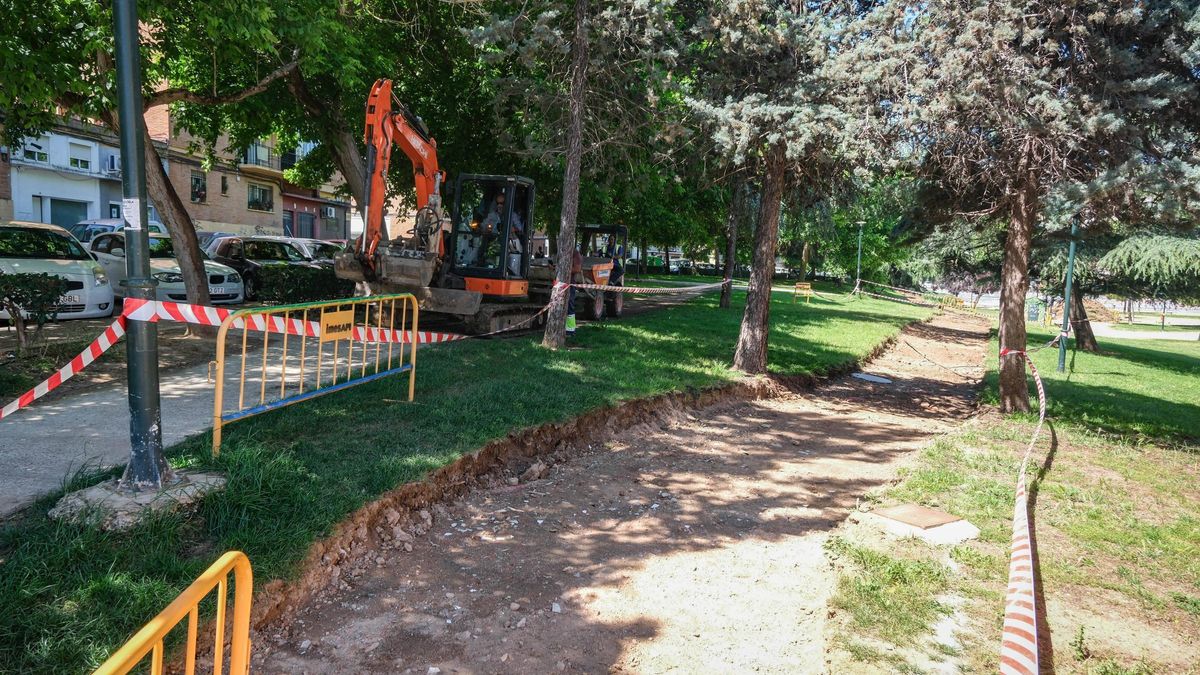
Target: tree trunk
<point>751,353</point>
<point>555,336</point>
<point>335,135</point>
<point>1014,284</point>
<point>731,228</point>
<point>18,322</point>
<point>643,253</point>
<point>179,224</point>
<point>805,257</point>
<point>666,259</point>
<point>1085,339</point>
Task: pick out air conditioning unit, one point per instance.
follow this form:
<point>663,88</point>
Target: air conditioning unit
<point>328,212</point>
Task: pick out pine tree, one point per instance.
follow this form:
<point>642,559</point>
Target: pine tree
<point>776,101</point>
<point>1013,105</point>
<point>576,78</point>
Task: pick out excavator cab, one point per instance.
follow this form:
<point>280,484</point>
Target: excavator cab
<point>490,235</point>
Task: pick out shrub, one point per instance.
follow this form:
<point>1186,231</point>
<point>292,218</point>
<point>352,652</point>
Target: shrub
<point>289,284</point>
<point>30,301</point>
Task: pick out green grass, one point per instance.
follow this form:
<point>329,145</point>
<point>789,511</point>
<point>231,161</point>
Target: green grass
<point>1134,387</point>
<point>1111,516</point>
<point>69,595</point>
<point>887,596</point>
<point>1117,511</point>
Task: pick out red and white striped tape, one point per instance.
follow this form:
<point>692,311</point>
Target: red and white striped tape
<point>895,299</point>
<point>950,308</point>
<point>154,310</point>
<point>648,290</point>
<point>1018,642</point>
<point>107,339</point>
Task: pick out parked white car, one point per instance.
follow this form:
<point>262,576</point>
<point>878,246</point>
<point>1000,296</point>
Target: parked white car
<point>224,283</point>
<point>41,248</point>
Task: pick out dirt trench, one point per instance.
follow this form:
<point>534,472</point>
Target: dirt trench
<point>689,543</point>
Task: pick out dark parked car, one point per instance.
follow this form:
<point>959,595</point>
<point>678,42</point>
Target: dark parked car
<point>206,238</point>
<point>248,255</point>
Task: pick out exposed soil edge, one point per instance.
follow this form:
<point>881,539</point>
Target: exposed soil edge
<point>374,526</point>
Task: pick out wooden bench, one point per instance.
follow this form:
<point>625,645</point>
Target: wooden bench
<point>805,288</point>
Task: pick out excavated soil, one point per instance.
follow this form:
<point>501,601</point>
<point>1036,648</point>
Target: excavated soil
<point>690,542</point>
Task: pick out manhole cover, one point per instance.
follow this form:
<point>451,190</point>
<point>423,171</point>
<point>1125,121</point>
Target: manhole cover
<point>917,516</point>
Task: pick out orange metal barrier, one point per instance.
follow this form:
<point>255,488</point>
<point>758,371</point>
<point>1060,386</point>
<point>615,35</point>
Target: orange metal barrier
<point>149,640</point>
<point>313,349</point>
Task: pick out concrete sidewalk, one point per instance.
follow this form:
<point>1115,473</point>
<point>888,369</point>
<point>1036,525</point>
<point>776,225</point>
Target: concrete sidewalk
<point>42,445</point>
<point>1110,330</point>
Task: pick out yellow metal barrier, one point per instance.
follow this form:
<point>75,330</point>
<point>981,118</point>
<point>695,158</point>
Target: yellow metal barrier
<point>805,288</point>
<point>149,640</point>
<point>375,332</point>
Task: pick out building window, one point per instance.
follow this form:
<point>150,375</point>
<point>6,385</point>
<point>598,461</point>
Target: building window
<point>258,153</point>
<point>81,157</point>
<point>224,185</point>
<point>34,153</point>
<point>199,187</point>
<point>114,210</point>
<point>260,197</point>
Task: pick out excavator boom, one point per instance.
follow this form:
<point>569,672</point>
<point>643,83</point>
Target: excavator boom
<point>473,265</point>
<point>384,130</point>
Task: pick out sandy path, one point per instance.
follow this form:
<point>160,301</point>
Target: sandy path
<point>690,548</point>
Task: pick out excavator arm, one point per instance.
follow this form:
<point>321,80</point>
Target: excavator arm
<point>385,129</point>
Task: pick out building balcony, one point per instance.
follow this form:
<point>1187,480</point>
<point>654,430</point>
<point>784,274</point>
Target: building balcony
<point>261,159</point>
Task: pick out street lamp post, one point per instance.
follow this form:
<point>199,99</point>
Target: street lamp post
<point>147,468</point>
<point>1066,321</point>
<point>858,274</point>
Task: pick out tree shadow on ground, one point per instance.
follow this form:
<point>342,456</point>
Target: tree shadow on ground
<point>656,523</point>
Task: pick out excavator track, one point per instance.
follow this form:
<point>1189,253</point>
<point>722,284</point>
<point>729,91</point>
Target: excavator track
<point>496,317</point>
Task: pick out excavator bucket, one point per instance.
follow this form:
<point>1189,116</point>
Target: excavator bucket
<point>450,301</point>
<point>347,266</point>
<point>406,268</point>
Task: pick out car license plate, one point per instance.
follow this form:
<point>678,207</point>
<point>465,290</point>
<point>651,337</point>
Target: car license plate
<point>216,290</point>
<point>68,300</point>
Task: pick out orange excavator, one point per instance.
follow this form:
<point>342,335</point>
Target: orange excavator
<point>473,264</point>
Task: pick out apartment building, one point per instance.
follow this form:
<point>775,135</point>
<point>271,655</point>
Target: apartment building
<point>245,192</point>
<point>6,205</point>
<point>69,174</point>
<point>73,173</point>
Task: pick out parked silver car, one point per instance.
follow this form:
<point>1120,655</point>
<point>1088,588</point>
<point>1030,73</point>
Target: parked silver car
<point>225,285</point>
